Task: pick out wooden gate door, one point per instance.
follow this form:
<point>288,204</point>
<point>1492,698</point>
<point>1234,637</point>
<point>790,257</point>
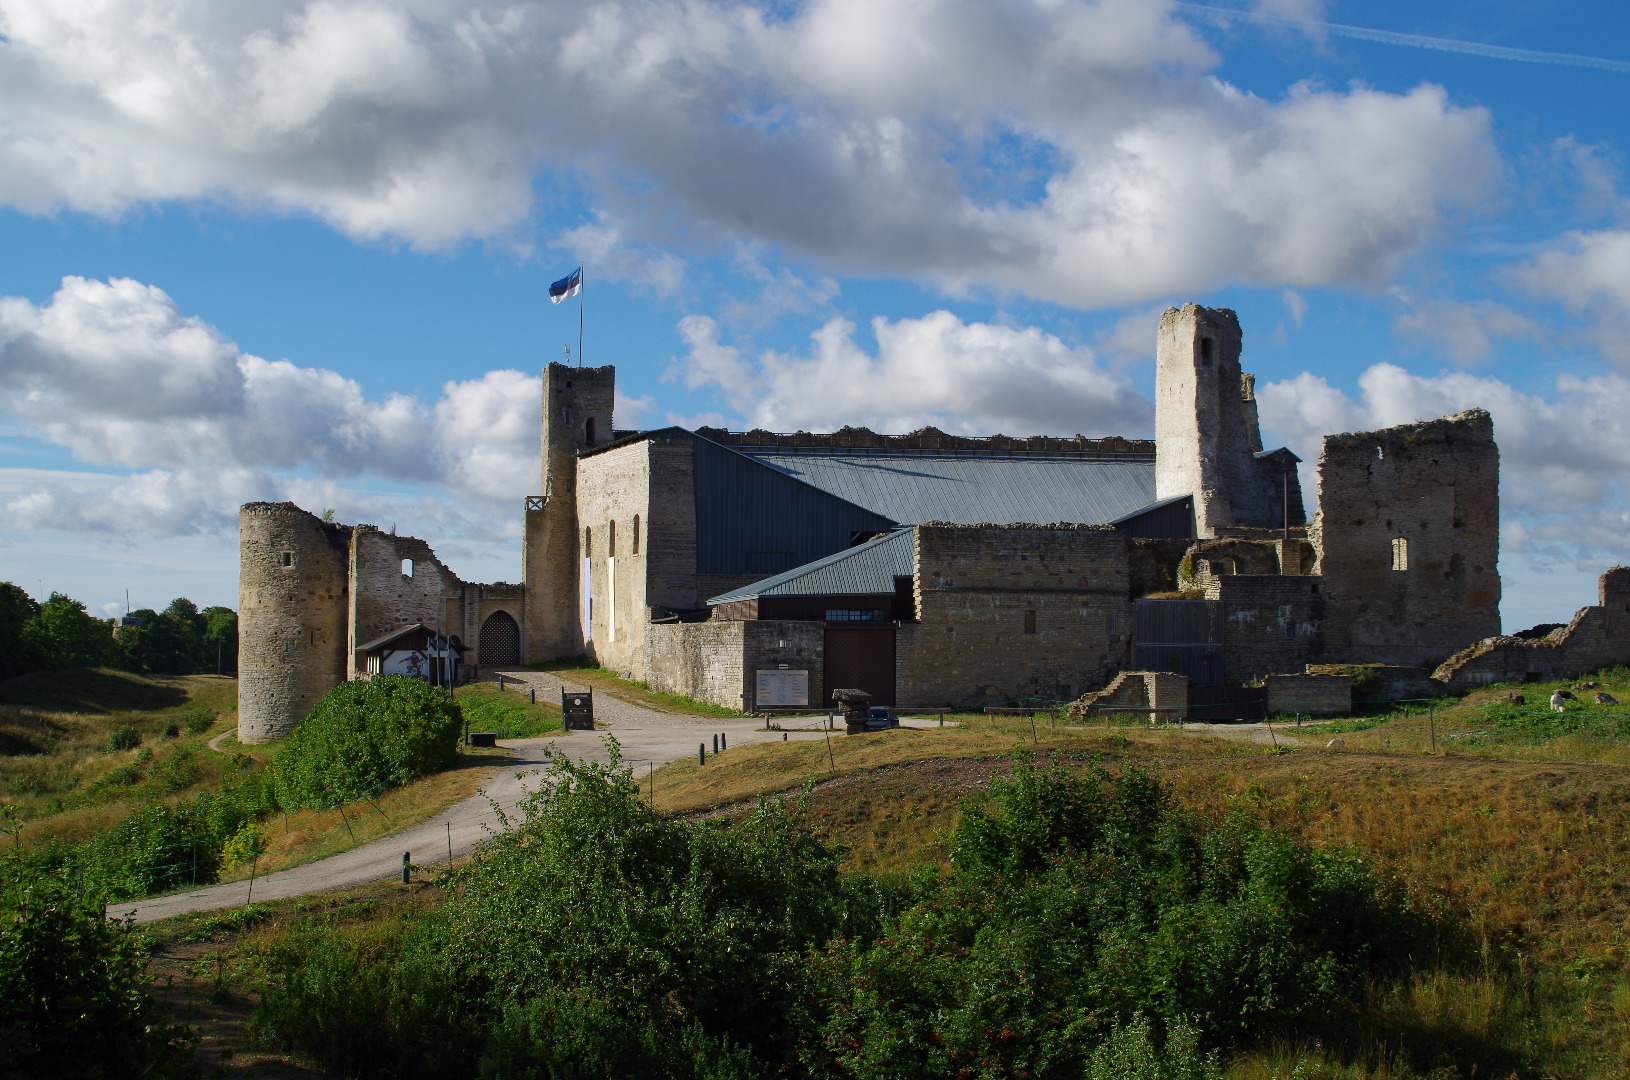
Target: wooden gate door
<point>860,659</point>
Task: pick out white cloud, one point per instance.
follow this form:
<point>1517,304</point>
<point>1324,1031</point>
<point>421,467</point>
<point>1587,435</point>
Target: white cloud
<point>851,131</point>
<point>968,378</point>
<point>1465,332</point>
<point>115,372</point>
<point>1562,460</point>
<point>1590,274</point>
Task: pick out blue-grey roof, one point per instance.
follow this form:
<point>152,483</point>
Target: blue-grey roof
<point>971,490</point>
<point>867,569</point>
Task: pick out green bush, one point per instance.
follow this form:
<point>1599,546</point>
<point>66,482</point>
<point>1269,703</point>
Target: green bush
<point>73,996</point>
<point>172,731</point>
<point>124,738</point>
<point>364,737</point>
<point>198,720</point>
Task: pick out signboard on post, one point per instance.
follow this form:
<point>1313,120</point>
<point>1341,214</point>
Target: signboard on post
<point>782,687</point>
<point>577,709</point>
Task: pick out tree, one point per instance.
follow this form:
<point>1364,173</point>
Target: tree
<point>220,640</point>
<point>18,649</point>
<point>66,635</point>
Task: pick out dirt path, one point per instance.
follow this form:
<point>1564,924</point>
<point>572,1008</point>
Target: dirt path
<point>648,739</point>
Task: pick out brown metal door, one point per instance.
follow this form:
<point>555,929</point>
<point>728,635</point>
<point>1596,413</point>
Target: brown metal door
<point>860,659</point>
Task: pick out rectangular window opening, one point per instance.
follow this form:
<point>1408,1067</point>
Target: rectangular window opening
<point>1400,553</point>
<point>407,567</point>
<point>1030,621</point>
<point>849,615</point>
<point>287,559</point>
<point>636,539</point>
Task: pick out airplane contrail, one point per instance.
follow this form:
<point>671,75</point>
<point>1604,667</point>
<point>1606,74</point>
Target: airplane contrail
<point>1417,41</point>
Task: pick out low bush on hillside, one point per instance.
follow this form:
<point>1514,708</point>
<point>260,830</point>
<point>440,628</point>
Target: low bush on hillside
<point>1091,926</point>
<point>505,713</point>
<point>364,737</point>
<point>73,996</point>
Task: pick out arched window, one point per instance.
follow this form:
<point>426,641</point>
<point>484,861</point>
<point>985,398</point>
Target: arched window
<point>407,567</point>
<point>611,538</point>
<point>588,432</point>
<point>636,534</point>
<point>1400,553</point>
<point>588,542</point>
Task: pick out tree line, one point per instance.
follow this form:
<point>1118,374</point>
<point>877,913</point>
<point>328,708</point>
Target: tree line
<point>59,633</point>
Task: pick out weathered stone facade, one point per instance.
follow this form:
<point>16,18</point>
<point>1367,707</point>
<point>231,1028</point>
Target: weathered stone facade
<point>1271,624</point>
<point>1596,637</point>
<point>1165,694</point>
<point>1014,612</point>
<point>1307,695</point>
<point>718,662</point>
<point>1407,535</point>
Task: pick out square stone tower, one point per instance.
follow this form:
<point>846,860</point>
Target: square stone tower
<point>577,414</point>
<point>1207,442</point>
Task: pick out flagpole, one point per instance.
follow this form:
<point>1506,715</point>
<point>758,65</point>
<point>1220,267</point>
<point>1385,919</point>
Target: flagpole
<point>580,284</point>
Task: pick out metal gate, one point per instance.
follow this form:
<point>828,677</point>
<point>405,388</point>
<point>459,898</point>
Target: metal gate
<point>862,660</point>
<point>1183,636</point>
<point>1213,703</point>
<point>500,643</point>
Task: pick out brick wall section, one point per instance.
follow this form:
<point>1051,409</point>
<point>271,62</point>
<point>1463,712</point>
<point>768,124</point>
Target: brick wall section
<point>291,619</point>
<point>383,599</point>
<point>1271,624</point>
<point>1436,486</point>
<point>1596,637</point>
<point>974,586</point>
<point>717,662</point>
<point>1308,695</point>
<point>614,487</point>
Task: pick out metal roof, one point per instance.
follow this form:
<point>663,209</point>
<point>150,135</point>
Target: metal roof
<point>867,569</point>
<point>971,490</point>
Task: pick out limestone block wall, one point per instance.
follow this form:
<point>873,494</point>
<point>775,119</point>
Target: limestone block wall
<point>613,513</point>
<point>1206,432</point>
<point>1596,637</point>
<point>1016,611</point>
<point>1308,695</point>
<point>670,572</point>
<point>1271,624</point>
<point>1429,494</point>
<point>292,601</point>
<point>717,662</point>
<point>383,597</point>
<point>1158,690</point>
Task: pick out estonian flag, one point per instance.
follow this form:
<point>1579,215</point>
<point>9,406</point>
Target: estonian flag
<point>566,286</point>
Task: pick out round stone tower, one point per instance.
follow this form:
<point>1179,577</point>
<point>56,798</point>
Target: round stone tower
<point>292,575</point>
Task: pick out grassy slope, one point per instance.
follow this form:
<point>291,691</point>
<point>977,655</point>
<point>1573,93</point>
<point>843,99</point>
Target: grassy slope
<point>67,785</point>
<point>507,713</point>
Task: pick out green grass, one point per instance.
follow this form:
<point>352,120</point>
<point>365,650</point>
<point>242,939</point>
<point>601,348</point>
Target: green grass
<point>96,691</point>
<point>506,712</point>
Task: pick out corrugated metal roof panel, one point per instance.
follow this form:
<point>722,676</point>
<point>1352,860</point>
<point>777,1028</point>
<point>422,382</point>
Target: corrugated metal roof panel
<point>968,491</point>
<point>867,569</point>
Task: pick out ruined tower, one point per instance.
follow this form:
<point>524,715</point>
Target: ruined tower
<point>292,579</point>
<point>1207,442</point>
<point>577,414</point>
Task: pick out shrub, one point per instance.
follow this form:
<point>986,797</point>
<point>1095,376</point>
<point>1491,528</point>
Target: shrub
<point>73,996</point>
<point>172,731</point>
<point>364,737</point>
<point>124,738</point>
<point>198,720</point>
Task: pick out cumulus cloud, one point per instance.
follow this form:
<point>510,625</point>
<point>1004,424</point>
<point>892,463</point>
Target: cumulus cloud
<point>966,378</point>
<point>117,374</point>
<point>1465,332</point>
<point>856,132</point>
<point>1589,272</point>
<point>1562,459</point>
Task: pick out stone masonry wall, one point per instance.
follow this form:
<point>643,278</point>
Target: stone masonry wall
<point>1434,487</point>
<point>717,662</point>
<point>292,598</point>
<point>1008,612</point>
<point>671,536</point>
<point>383,599</point>
<point>1271,624</point>
<point>1206,433</point>
<point>1596,637</point>
<point>1308,695</point>
<point>1158,690</point>
<point>572,397</point>
<point>613,494</point>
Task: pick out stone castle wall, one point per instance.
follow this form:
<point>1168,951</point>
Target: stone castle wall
<point>717,662</point>
<point>613,512</point>
<point>1009,612</point>
<point>292,602</point>
<point>383,598</point>
<point>1435,487</point>
<point>1164,692</point>
<point>1307,695</point>
<point>1272,625</point>
<point>1596,637</point>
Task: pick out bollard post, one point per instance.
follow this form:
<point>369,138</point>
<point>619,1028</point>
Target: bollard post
<point>783,736</point>
<point>449,843</point>
<point>407,868</point>
<point>942,719</point>
<point>534,693</point>
<point>701,753</point>
<point>715,743</point>
<point>500,683</point>
<point>724,740</point>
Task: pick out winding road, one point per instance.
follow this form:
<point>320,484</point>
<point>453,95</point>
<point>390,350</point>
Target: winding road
<point>646,735</point>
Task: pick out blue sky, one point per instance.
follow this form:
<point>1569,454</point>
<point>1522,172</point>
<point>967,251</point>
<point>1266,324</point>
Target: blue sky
<point>301,250</point>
